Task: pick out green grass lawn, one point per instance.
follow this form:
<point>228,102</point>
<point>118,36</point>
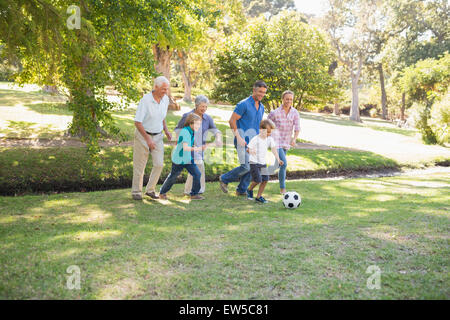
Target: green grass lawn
<point>230,248</point>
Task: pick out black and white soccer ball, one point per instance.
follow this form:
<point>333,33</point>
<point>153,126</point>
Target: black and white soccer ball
<point>291,200</point>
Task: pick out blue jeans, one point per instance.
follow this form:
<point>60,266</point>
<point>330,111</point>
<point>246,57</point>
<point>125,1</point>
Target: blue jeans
<point>176,170</point>
<point>241,173</point>
<point>282,173</point>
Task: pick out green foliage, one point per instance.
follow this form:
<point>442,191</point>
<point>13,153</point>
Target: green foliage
<point>112,47</point>
<point>285,53</point>
<point>254,8</point>
<point>426,82</point>
<point>440,119</point>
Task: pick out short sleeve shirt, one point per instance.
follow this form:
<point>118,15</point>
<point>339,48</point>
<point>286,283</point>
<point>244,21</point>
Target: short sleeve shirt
<point>151,113</point>
<point>248,124</point>
<point>260,146</point>
<point>179,156</point>
<point>200,135</point>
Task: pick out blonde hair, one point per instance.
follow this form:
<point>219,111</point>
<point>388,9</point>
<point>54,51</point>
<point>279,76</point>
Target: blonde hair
<point>286,92</point>
<point>267,123</point>
<point>190,119</point>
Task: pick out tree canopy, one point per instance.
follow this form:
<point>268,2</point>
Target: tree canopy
<point>286,53</point>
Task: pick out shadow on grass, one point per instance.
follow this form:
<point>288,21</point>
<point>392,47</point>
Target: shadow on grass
<point>59,109</point>
<point>11,98</point>
<point>227,247</point>
<point>23,130</point>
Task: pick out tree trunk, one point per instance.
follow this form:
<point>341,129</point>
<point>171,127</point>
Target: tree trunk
<point>336,109</point>
<point>162,57</point>
<point>354,111</point>
<point>186,74</point>
<point>383,93</point>
<point>403,107</point>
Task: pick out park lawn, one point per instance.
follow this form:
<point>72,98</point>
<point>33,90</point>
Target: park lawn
<point>28,169</point>
<point>231,248</point>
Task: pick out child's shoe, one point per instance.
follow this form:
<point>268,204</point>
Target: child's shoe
<point>261,199</point>
<point>250,195</point>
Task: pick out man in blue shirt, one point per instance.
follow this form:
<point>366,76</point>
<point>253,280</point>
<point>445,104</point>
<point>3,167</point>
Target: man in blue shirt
<point>244,123</point>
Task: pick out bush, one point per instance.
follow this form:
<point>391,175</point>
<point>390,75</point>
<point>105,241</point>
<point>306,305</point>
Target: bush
<point>440,119</point>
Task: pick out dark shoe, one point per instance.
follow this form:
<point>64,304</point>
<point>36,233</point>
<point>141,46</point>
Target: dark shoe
<point>137,196</point>
<point>241,194</point>
<point>162,196</point>
<point>223,185</point>
<point>261,199</point>
<point>197,197</point>
<point>250,195</point>
<point>152,195</point>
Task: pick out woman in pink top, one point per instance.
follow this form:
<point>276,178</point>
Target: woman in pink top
<point>287,119</point>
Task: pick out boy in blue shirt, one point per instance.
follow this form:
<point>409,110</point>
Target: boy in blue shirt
<point>182,158</point>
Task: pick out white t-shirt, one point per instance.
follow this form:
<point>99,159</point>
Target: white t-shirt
<point>152,113</point>
<point>260,146</point>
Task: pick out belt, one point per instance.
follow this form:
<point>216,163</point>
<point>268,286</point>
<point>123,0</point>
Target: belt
<point>153,134</point>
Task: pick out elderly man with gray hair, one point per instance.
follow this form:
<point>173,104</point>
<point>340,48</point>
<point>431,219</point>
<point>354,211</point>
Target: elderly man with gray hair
<point>148,137</point>
<point>201,105</point>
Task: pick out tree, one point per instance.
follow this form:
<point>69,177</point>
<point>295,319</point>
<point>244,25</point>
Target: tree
<point>112,46</point>
<point>422,32</point>
<point>254,8</point>
<point>348,25</point>
<point>284,52</point>
<point>197,50</point>
<point>426,82</point>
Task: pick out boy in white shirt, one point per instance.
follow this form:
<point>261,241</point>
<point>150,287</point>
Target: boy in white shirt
<point>257,148</point>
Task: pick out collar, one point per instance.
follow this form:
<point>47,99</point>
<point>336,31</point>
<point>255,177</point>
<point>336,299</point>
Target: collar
<point>153,98</point>
<point>252,100</point>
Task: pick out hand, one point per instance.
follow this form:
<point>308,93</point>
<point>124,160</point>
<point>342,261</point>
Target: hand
<point>204,147</point>
<point>251,151</point>
<point>241,141</point>
<point>151,144</point>
<point>293,143</point>
<point>219,142</point>
<point>281,162</point>
<point>168,135</point>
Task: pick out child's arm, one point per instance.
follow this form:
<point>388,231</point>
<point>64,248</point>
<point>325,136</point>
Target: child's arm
<point>186,147</point>
<point>275,153</point>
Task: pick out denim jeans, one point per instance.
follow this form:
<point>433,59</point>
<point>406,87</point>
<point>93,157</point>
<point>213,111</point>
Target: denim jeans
<point>282,173</point>
<point>241,173</point>
<point>176,170</point>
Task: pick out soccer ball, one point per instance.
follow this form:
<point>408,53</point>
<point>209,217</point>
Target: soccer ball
<point>291,200</point>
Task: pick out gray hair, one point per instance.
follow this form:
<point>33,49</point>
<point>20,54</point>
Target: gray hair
<point>201,99</point>
<point>286,92</point>
<point>159,81</point>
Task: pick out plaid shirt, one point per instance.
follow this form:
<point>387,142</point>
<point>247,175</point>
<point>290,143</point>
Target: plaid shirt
<point>285,124</point>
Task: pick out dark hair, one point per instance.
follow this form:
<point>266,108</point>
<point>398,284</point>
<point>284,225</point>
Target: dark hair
<point>260,84</point>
